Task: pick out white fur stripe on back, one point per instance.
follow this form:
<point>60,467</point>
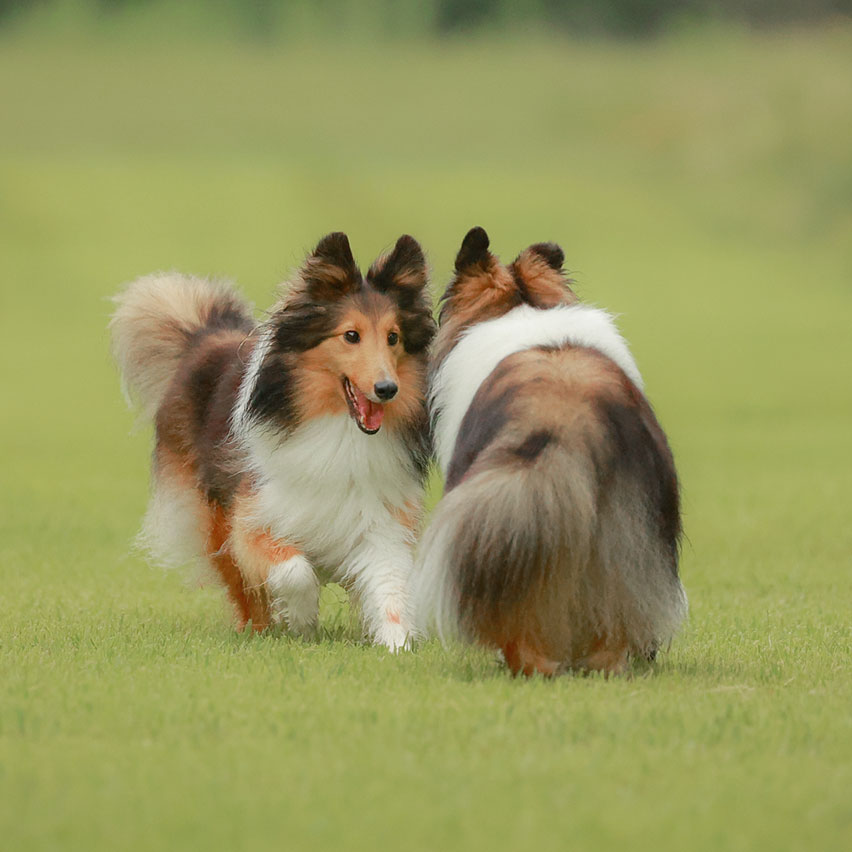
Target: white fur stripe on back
<point>484,346</point>
<point>240,416</point>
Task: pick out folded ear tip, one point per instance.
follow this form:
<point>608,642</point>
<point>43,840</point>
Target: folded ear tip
<point>402,267</point>
<point>551,253</point>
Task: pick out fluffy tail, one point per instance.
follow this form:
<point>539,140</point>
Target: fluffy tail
<point>489,539</point>
<point>157,320</point>
<point>552,550</point>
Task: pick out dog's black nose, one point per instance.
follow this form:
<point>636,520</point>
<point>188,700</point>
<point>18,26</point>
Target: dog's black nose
<point>385,390</point>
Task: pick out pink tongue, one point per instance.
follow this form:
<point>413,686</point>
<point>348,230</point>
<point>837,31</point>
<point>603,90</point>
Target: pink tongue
<point>371,413</point>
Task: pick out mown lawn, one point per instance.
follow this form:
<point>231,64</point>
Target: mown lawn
<point>701,187</point>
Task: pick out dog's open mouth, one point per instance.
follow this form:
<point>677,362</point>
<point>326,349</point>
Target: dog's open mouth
<point>366,413</point>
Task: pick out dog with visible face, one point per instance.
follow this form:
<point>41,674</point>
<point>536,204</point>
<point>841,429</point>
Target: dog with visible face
<point>557,538</point>
<point>293,452</point>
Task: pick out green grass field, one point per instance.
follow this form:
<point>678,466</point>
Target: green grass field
<point>701,187</point>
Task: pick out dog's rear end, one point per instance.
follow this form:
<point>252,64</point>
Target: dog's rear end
<point>177,339</point>
<point>560,537</point>
<point>557,538</point>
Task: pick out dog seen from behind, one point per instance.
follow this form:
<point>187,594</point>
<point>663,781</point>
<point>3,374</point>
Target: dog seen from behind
<point>292,452</point>
<point>557,538</point>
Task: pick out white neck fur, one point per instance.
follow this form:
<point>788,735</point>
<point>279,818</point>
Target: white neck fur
<point>482,347</point>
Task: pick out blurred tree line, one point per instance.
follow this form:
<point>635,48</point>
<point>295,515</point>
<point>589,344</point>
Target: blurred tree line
<point>618,17</point>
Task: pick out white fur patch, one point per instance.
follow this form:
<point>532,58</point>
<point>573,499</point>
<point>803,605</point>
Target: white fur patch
<point>330,490</point>
<point>481,348</point>
<point>174,531</point>
<point>294,591</point>
<point>435,605</point>
<point>240,416</point>
<point>379,570</point>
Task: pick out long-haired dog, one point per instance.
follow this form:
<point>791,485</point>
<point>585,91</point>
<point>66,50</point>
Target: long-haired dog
<point>557,538</point>
<point>290,453</point>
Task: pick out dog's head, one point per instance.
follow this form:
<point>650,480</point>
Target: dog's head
<point>483,288</point>
<point>340,341</point>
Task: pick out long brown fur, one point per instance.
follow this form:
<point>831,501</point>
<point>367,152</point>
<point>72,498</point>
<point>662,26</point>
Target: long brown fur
<point>557,538</point>
<point>184,346</point>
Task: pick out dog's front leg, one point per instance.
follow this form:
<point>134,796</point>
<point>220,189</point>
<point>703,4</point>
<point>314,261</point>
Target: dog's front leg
<point>378,572</point>
<point>284,575</point>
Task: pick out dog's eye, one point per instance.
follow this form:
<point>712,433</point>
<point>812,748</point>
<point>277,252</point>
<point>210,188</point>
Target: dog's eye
<point>393,339</point>
<point>351,336</point>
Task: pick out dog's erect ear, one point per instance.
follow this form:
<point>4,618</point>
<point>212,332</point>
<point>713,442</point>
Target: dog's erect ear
<point>330,270</point>
<point>404,267</point>
<point>474,249</point>
<point>334,248</point>
<point>552,254</point>
<point>402,275</point>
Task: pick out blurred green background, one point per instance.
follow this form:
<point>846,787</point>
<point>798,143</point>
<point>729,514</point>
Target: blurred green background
<point>277,19</point>
<point>693,160</point>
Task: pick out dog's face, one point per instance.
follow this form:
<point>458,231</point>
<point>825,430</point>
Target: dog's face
<point>483,288</point>
<point>347,343</point>
<point>365,352</point>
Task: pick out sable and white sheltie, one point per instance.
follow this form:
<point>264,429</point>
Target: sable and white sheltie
<point>557,538</point>
<point>292,452</point>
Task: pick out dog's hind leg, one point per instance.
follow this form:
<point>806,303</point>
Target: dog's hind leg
<point>523,658</point>
<point>250,604</point>
<point>607,655</point>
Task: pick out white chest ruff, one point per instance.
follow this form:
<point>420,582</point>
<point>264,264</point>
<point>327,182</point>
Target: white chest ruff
<point>485,345</point>
<point>327,485</point>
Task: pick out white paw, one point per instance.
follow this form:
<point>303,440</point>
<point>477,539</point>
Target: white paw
<point>294,595</point>
<point>297,623</point>
<point>394,637</point>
